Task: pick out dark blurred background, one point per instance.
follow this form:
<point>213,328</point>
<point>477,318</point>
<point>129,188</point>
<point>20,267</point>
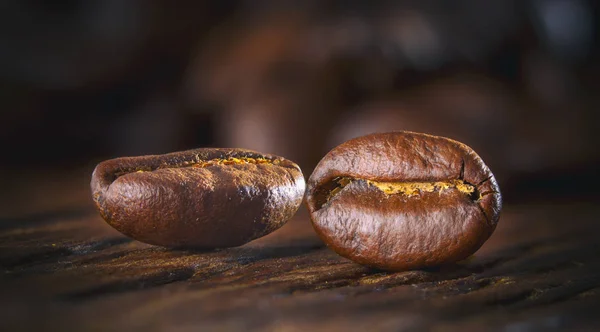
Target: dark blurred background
<point>82,81</point>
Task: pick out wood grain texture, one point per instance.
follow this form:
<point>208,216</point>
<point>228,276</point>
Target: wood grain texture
<point>68,270</point>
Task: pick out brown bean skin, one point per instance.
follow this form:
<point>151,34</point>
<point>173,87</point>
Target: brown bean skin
<point>203,198</point>
<point>408,228</point>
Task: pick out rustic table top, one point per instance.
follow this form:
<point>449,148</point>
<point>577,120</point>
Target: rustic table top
<point>64,268</point>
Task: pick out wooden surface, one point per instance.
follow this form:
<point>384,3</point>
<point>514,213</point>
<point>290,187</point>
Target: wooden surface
<point>64,268</point>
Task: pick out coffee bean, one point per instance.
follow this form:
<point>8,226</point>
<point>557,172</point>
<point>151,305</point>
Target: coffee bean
<point>403,200</point>
<point>203,198</point>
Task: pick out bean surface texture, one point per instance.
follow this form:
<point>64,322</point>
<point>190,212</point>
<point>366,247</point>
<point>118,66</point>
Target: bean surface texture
<point>403,200</point>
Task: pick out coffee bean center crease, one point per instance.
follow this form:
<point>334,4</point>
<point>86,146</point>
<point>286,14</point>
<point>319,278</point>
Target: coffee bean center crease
<point>407,189</point>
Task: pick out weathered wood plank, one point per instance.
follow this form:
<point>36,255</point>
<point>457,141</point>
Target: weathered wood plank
<point>69,270</point>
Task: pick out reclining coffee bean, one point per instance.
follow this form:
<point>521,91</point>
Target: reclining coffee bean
<point>203,198</point>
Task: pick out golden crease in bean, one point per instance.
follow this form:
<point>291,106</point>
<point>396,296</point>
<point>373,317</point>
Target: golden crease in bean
<point>205,163</point>
<point>234,161</point>
<point>408,189</point>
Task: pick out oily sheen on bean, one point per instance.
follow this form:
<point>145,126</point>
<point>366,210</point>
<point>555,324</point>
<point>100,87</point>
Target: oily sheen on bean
<point>403,200</point>
<point>203,198</point>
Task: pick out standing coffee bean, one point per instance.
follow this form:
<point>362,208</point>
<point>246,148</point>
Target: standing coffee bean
<point>203,198</point>
<point>403,200</point>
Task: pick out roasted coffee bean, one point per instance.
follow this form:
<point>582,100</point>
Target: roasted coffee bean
<point>203,198</point>
<point>403,200</point>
